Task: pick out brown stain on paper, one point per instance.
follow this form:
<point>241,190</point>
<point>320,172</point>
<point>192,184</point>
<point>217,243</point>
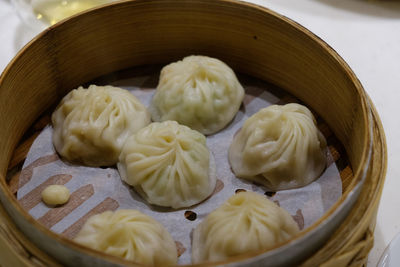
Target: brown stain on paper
<point>56,214</point>
<point>105,205</point>
<point>180,248</point>
<point>27,172</point>
<point>34,197</point>
<point>299,219</point>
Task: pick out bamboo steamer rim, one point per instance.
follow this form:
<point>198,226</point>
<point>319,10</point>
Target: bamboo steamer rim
<point>359,174</point>
<point>333,253</point>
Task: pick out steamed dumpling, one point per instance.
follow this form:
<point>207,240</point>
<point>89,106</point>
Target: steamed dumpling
<point>91,125</point>
<point>168,164</point>
<point>129,234</point>
<point>279,147</point>
<point>200,92</point>
<point>246,222</point>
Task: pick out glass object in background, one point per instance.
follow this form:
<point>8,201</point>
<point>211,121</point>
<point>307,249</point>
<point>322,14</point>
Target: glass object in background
<point>39,14</point>
<point>52,11</point>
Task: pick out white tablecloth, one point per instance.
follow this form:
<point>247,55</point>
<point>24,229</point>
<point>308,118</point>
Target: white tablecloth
<point>365,33</point>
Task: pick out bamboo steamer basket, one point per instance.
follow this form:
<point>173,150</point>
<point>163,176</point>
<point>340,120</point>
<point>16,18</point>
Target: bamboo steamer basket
<point>252,40</point>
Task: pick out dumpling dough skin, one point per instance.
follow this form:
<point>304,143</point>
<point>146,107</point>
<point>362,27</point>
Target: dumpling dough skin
<point>198,91</point>
<point>129,234</point>
<point>279,147</point>
<point>246,222</point>
<point>91,125</point>
<point>55,194</point>
<point>168,164</point>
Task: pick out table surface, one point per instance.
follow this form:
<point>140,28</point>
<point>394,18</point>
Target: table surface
<point>365,33</point>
